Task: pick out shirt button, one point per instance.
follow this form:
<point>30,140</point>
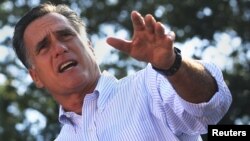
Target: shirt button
<point>67,115</point>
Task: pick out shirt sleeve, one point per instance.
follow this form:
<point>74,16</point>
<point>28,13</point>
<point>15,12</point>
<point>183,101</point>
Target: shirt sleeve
<point>184,117</point>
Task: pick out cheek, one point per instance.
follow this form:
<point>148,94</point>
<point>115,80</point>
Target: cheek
<point>88,57</point>
<point>43,65</point>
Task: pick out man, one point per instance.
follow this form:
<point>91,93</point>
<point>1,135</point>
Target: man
<point>173,98</point>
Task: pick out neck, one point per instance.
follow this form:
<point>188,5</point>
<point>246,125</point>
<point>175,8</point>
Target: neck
<point>73,102</point>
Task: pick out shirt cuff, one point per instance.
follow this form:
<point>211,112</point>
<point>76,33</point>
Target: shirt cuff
<point>218,104</point>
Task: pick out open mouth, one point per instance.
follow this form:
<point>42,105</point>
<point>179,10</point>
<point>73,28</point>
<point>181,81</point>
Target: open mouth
<point>66,66</point>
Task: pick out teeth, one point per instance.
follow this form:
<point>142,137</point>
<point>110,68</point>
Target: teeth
<point>65,64</point>
<point>62,67</point>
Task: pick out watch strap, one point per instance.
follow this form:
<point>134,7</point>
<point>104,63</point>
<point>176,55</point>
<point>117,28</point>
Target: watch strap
<point>174,68</point>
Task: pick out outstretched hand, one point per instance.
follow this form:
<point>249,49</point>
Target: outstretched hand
<point>150,43</point>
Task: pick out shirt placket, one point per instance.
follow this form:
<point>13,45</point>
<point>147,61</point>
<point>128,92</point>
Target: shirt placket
<point>89,117</point>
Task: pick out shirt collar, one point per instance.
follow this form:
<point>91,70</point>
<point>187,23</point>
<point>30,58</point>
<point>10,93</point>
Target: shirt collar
<point>105,88</point>
<point>65,117</point>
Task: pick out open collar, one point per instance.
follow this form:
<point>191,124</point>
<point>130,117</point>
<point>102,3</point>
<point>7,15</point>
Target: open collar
<point>105,87</point>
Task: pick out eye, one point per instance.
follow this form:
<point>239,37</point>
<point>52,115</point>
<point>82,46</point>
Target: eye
<point>42,49</point>
<point>42,46</point>
<point>66,35</point>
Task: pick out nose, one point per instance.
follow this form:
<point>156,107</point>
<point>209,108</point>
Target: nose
<point>59,48</point>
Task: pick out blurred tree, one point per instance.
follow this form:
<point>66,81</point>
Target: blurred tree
<point>204,20</point>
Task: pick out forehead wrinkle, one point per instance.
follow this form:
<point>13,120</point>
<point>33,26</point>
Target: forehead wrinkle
<point>44,26</point>
<point>56,33</point>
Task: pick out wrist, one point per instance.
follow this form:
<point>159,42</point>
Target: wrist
<point>174,68</point>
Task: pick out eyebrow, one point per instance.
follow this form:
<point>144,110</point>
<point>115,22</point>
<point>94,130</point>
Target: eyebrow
<point>46,38</point>
<point>41,43</point>
<point>64,30</point>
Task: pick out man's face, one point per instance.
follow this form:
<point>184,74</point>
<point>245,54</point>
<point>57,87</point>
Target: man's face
<point>62,61</point>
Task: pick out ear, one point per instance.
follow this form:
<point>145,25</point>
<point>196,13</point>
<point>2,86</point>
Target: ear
<point>35,78</point>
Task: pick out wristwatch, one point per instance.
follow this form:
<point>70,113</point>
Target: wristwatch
<point>174,68</point>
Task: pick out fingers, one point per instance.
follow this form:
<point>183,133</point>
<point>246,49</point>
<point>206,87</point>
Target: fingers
<point>159,29</point>
<point>171,35</point>
<point>138,21</point>
<point>141,25</point>
<point>149,24</point>
<point>119,44</point>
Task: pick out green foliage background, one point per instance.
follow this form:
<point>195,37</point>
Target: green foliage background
<point>189,18</point>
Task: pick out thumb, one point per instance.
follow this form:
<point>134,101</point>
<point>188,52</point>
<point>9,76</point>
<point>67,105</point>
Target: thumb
<point>119,44</point>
